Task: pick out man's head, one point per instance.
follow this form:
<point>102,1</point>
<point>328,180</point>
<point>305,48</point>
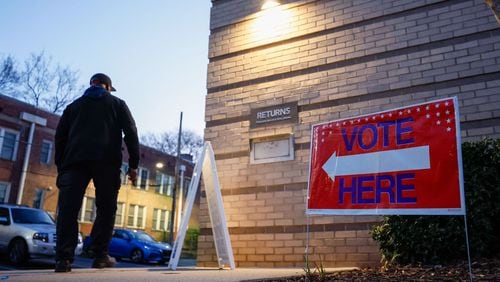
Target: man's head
<point>102,80</point>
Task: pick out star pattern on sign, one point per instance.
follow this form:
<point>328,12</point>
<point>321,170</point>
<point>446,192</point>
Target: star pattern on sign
<point>438,115</point>
<point>435,113</point>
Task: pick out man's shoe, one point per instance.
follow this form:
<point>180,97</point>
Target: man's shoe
<point>63,266</point>
<point>102,262</point>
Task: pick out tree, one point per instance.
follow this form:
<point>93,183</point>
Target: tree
<point>191,143</point>
<point>39,82</point>
<point>46,86</point>
<point>9,76</point>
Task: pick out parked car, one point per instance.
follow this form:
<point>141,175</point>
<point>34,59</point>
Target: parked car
<point>27,233</point>
<point>135,245</point>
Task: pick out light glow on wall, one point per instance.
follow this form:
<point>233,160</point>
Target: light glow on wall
<point>272,23</point>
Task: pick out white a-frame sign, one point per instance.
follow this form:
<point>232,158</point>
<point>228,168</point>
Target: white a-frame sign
<point>206,164</point>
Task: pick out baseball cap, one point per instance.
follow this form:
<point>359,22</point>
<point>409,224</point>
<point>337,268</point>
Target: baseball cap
<point>102,79</point>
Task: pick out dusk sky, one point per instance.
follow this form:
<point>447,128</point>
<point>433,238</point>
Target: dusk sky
<point>155,51</point>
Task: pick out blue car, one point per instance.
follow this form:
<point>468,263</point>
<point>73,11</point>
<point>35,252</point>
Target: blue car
<point>136,246</point>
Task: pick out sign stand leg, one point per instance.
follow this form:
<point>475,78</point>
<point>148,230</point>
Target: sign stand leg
<point>468,247</point>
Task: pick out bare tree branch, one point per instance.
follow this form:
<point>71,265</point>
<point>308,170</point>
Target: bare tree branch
<point>191,143</point>
<point>9,76</point>
<point>36,78</point>
<point>65,81</point>
<point>45,86</point>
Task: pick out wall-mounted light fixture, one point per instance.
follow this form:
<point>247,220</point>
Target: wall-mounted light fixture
<point>268,4</point>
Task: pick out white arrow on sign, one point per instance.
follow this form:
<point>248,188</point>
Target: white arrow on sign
<point>376,162</point>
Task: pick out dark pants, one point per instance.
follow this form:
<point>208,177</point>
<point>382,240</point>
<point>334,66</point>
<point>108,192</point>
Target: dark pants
<point>72,183</point>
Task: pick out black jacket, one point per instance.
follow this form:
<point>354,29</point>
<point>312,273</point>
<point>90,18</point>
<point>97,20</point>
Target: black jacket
<point>91,128</point>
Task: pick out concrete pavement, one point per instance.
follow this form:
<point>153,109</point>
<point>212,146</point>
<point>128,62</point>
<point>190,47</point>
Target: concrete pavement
<point>187,274</point>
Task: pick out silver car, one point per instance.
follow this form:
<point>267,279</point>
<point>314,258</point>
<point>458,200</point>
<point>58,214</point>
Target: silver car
<point>28,233</point>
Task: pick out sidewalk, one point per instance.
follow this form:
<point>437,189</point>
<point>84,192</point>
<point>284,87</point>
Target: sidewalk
<point>188,274</point>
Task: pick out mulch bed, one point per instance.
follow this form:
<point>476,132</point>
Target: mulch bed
<point>482,271</point>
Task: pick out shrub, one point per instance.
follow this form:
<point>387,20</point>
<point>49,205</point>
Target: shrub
<point>441,239</point>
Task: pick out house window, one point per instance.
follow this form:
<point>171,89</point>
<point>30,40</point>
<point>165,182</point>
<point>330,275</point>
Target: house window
<point>136,216</point>
<point>88,210</point>
<point>45,152</point>
<point>162,182</point>
<point>160,219</point>
<point>123,174</point>
<point>38,199</point>
<point>4,192</point>
<point>119,214</point>
<point>8,144</point>
<point>170,184</point>
<point>143,178</point>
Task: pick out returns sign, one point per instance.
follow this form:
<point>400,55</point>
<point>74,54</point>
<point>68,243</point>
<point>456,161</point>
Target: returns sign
<point>401,161</point>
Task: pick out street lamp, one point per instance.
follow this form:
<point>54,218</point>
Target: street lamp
<point>176,181</point>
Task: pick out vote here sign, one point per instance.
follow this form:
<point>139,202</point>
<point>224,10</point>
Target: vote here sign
<point>401,161</point>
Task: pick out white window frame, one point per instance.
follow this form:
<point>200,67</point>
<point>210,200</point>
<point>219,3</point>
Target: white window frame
<point>163,185</point>
<point>123,173</point>
<point>159,215</point>
<point>122,214</point>
<point>83,210</point>
<point>7,191</point>
<point>170,184</point>
<point>159,179</point>
<point>41,193</point>
<point>139,179</point>
<point>136,216</point>
<point>49,153</point>
<point>16,145</point>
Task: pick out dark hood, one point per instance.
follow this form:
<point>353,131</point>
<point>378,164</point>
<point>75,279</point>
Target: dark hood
<point>95,92</point>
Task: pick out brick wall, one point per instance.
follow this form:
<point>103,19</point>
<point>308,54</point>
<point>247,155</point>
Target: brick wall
<point>336,59</point>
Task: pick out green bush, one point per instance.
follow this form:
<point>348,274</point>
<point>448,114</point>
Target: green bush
<point>441,239</point>
<point>190,246</point>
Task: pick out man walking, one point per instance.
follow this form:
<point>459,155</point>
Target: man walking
<point>88,145</point>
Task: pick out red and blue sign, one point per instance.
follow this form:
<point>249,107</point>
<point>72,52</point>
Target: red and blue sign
<point>400,161</point>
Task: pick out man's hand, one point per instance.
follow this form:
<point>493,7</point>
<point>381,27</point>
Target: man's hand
<point>132,175</point>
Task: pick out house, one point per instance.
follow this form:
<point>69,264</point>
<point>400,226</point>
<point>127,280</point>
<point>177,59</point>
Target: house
<point>28,174</point>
